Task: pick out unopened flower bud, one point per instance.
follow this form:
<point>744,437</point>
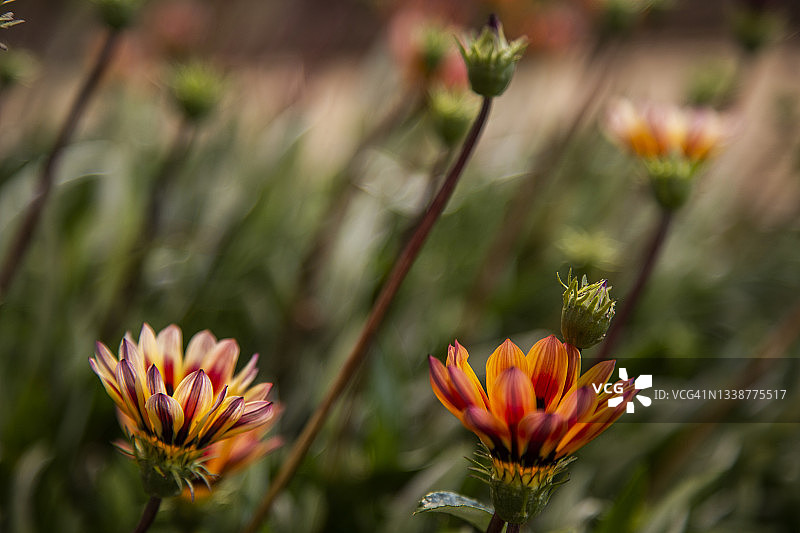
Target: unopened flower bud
<point>491,59</point>
<point>586,313</point>
<point>196,89</point>
<point>755,24</point>
<point>118,14</point>
<point>451,114</point>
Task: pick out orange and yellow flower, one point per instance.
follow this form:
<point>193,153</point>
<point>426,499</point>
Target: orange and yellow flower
<point>536,409</point>
<point>657,132</point>
<point>175,406</point>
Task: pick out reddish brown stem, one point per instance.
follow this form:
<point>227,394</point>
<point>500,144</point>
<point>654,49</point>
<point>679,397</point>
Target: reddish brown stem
<point>376,316</point>
<point>629,303</point>
<point>148,515</point>
<point>22,239</point>
<point>496,524</point>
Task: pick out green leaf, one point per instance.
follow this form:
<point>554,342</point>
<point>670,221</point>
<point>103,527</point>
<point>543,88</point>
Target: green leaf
<point>467,509</point>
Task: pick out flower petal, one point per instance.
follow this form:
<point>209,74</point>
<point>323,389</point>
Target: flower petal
<point>166,416</point>
<point>256,392</point>
<point>490,429</point>
<point>148,346</point>
<point>170,340</point>
<point>194,395</point>
<point>109,383</point>
<point>220,362</point>
<point>155,383</point>
<point>506,355</point>
<point>539,433</point>
<point>548,361</point>
<point>228,414</point>
<point>458,356</point>
<point>132,393</point>
<point>443,388</point>
<point>513,396</point>
<point>199,346</point>
<point>255,414</point>
<point>243,379</point>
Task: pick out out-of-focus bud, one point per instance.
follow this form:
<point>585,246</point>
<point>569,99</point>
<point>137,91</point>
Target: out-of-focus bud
<point>755,24</point>
<point>673,144</point>
<point>16,66</point>
<point>451,113</point>
<point>491,59</point>
<point>118,14</point>
<point>587,311</point>
<point>196,89</point>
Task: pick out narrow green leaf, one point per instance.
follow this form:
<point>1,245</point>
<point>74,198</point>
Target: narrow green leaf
<point>467,509</point>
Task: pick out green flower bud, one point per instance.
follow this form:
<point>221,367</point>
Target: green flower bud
<point>450,114</point>
<point>586,313</point>
<point>434,45</point>
<point>671,180</point>
<point>491,59</point>
<point>16,67</point>
<point>118,14</point>
<point>196,89</point>
<point>754,25</point>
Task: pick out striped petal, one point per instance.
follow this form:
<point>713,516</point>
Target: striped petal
<point>199,346</point>
<point>109,382</point>
<point>243,379</point>
<point>506,355</point>
<point>539,433</point>
<point>170,340</point>
<point>130,352</point>
<point>513,396</point>
<point>220,362</point>
<point>166,416</point>
<point>490,429</point>
<point>443,387</point>
<point>465,389</point>
<point>255,414</point>
<point>458,356</point>
<point>583,432</point>
<point>155,383</point>
<point>194,395</point>
<point>131,391</point>
<point>549,361</point>
<point>256,392</point>
<point>228,414</point>
<point>148,346</point>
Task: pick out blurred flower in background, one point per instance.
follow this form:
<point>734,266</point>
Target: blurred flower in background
<point>672,142</point>
<point>174,407</point>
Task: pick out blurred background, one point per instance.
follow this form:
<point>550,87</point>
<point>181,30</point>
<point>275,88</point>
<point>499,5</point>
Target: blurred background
<point>279,215</point>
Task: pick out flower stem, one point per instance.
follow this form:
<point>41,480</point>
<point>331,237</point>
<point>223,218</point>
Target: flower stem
<point>496,525</point>
<point>376,316</point>
<point>148,515</point>
<point>513,528</point>
<point>23,238</point>
<point>629,304</point>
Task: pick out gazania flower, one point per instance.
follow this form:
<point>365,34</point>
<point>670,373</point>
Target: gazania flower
<point>535,412</point>
<point>175,406</point>
<point>658,132</point>
<point>672,142</point>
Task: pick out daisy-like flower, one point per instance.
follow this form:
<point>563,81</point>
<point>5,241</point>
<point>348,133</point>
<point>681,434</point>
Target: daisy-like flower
<point>174,407</point>
<point>672,142</point>
<point>535,412</point>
